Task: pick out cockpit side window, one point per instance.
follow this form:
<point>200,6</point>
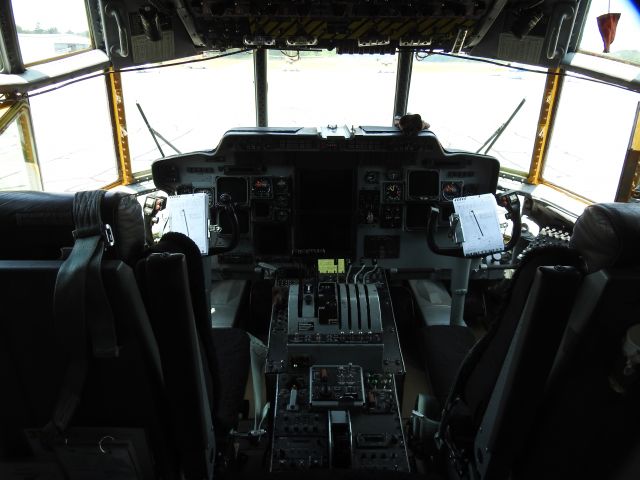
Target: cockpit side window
<point>601,16</point>
<point>18,160</point>
<point>590,138</point>
<point>74,135</point>
<point>48,30</point>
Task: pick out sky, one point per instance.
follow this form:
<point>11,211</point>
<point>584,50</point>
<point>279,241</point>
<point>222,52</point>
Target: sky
<point>65,15</point>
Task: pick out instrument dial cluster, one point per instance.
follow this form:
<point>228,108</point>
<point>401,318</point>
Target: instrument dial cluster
<point>393,192</point>
<point>261,187</point>
<point>451,190</point>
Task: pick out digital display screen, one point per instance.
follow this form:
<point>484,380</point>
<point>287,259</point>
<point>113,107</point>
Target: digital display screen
<point>234,186</point>
<point>324,214</point>
<point>423,184</point>
<point>331,265</point>
<point>416,217</point>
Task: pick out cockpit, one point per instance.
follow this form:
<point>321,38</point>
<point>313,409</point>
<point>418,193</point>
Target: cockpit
<point>299,297</point>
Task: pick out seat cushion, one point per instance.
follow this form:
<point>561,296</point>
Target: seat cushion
<point>445,347</point>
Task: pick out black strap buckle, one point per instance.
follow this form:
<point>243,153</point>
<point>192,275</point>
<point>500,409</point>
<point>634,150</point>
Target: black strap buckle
<point>106,232</point>
<point>108,236</point>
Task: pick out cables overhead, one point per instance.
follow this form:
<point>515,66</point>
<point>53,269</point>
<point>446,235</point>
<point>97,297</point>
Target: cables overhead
<point>122,70</point>
<point>423,55</point>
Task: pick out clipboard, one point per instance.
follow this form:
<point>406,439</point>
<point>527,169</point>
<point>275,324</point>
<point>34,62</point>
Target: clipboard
<point>480,226</point>
<point>189,214</point>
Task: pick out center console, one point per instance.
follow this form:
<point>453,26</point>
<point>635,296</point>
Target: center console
<point>335,367</point>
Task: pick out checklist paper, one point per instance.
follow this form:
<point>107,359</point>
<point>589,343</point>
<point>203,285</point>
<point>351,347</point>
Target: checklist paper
<point>479,222</point>
<point>190,215</point>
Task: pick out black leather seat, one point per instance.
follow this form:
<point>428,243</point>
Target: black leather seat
<point>39,225</point>
<point>447,346</point>
<point>533,398</point>
<point>155,395</point>
<point>225,351</point>
<point>588,425</point>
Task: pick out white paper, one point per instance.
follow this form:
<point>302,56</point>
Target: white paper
<point>479,222</point>
<point>190,215</point>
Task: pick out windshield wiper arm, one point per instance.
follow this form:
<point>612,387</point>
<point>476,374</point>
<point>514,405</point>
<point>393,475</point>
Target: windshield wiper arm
<point>496,135</point>
<point>155,134</point>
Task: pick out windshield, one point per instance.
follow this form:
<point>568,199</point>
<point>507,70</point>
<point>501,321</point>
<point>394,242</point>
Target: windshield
<point>190,105</point>
<point>467,101</point>
<point>316,89</point>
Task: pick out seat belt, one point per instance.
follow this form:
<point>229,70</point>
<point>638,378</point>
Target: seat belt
<point>81,306</point>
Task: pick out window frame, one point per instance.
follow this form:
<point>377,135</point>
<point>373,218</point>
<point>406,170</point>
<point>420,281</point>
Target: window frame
<point>629,179</point>
<point>20,112</point>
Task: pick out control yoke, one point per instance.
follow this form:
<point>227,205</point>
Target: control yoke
<point>225,206</point>
<point>508,200</point>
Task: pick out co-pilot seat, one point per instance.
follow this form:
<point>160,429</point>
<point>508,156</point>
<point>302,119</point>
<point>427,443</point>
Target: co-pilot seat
<point>446,346</point>
<point>117,414</point>
<point>536,396</point>
<point>587,426</point>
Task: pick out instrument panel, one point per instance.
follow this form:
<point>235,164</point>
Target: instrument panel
<point>299,193</point>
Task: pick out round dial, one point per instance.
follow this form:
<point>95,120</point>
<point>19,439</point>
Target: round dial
<point>451,190</point>
<point>282,185</point>
<point>282,201</point>
<point>393,192</point>
<point>261,187</point>
<point>282,215</point>
<point>394,174</point>
<point>371,177</point>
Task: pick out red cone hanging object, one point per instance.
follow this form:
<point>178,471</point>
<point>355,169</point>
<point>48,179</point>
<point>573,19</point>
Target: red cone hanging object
<point>607,25</point>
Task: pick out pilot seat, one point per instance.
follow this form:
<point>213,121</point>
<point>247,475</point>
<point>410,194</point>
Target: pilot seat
<point>160,379</point>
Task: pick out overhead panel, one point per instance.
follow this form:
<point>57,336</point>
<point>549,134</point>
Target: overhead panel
<point>348,26</point>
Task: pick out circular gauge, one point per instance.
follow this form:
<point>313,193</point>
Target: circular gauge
<point>282,215</point>
<point>261,187</point>
<point>393,192</point>
<point>371,177</point>
<point>451,190</point>
<point>282,201</point>
<point>394,174</point>
<point>282,185</point>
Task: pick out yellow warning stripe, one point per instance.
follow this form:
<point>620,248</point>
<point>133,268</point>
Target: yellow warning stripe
<point>427,23</point>
<point>357,24</point>
<point>391,28</point>
<point>314,27</point>
<point>270,27</point>
<point>407,26</point>
<point>451,26</point>
<point>362,30</point>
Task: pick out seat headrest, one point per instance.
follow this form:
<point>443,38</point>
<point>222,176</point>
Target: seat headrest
<point>608,235</point>
<point>36,225</point>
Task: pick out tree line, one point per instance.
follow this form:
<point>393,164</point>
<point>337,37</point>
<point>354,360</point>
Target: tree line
<point>51,30</point>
